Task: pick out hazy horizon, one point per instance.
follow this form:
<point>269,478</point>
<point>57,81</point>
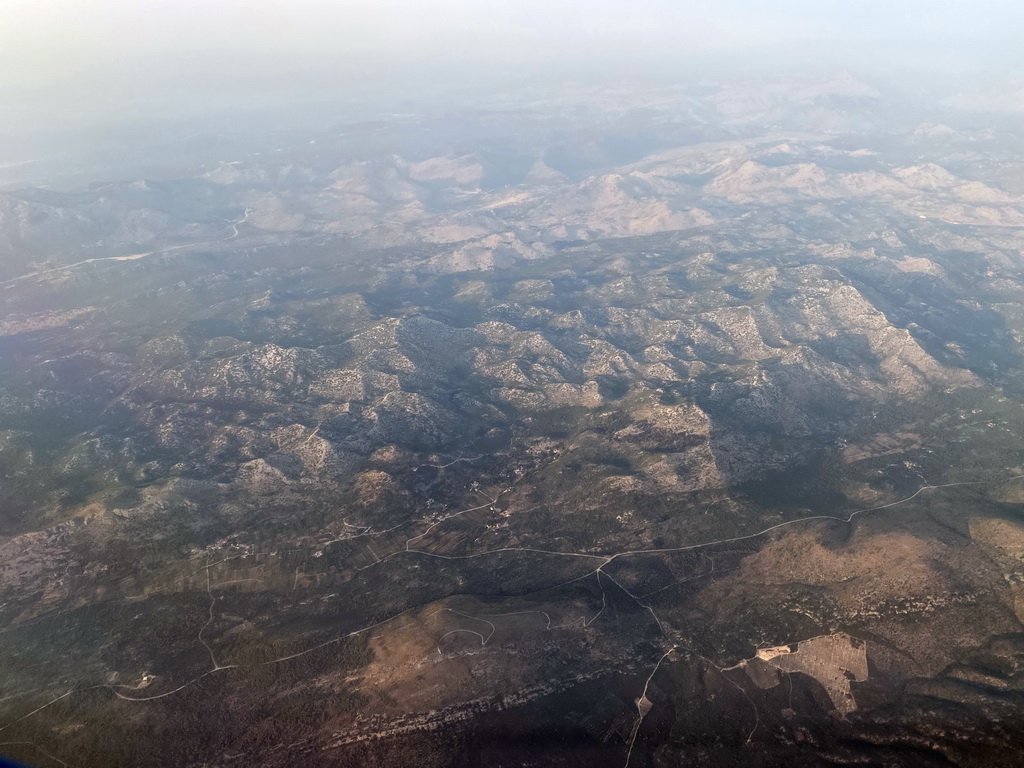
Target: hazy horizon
<point>82,62</point>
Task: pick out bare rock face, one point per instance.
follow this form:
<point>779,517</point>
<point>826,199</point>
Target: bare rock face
<point>612,206</point>
<point>457,170</point>
<point>491,251</point>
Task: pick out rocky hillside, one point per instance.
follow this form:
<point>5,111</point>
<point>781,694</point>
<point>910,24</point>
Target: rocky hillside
<point>681,426</point>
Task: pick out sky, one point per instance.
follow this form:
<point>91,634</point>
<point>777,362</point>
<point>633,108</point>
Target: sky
<point>76,58</point>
